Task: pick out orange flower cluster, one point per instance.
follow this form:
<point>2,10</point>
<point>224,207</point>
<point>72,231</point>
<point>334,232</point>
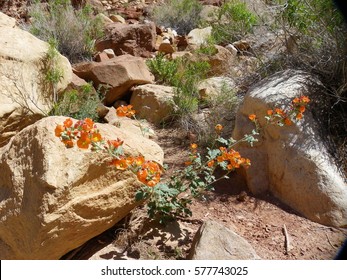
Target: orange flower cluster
<point>194,150</point>
<point>147,172</point>
<point>299,104</point>
<point>278,115</point>
<point>150,173</point>
<point>125,111</point>
<point>232,157</point>
<point>84,131</point>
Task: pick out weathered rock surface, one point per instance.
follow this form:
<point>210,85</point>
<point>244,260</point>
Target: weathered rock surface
<point>153,102</point>
<point>131,125</point>
<point>6,21</point>
<point>292,162</point>
<point>199,36</point>
<point>213,241</point>
<point>53,199</point>
<point>119,74</point>
<point>212,87</point>
<point>25,95</point>
<point>134,39</point>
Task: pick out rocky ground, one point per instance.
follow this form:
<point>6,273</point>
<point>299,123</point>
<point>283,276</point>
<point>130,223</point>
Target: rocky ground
<point>260,220</point>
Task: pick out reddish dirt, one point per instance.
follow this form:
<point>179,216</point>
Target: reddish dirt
<point>260,220</point>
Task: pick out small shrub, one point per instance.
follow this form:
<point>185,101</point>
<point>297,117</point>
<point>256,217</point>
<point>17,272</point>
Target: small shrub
<point>221,109</point>
<point>78,105</point>
<point>75,31</point>
<point>234,22</point>
<point>181,15</point>
<point>172,199</point>
<point>184,75</point>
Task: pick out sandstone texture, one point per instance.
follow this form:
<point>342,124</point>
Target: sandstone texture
<point>118,74</point>
<point>53,199</point>
<point>25,94</point>
<point>134,39</point>
<point>153,102</point>
<point>292,162</point>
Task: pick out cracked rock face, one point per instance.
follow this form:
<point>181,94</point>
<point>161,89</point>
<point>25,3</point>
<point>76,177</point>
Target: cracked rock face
<point>54,199</point>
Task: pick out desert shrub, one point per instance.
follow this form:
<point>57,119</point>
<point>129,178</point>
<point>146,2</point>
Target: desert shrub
<point>184,75</point>
<point>221,108</point>
<point>78,104</point>
<point>75,31</point>
<point>234,22</point>
<point>181,15</point>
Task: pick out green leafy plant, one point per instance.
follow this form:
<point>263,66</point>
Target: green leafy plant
<point>74,31</point>
<point>184,75</point>
<point>53,73</point>
<point>234,22</point>
<point>171,199</point>
<point>181,15</point>
<point>78,104</point>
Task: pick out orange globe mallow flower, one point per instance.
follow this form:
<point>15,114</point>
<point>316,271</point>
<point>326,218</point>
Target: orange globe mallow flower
<point>68,143</point>
<point>252,117</point>
<point>218,128</point>
<point>115,143</point>
<point>269,112</point>
<point>193,146</point>
<point>120,164</point>
<point>287,122</point>
<point>58,130</point>
<point>150,173</point>
<point>210,163</point>
<point>68,123</point>
<point>125,111</point>
<point>233,158</point>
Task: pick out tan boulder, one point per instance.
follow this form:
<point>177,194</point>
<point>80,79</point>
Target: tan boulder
<point>25,94</point>
<point>119,74</point>
<point>199,36</point>
<point>292,162</point>
<point>153,102</point>
<point>6,21</point>
<point>54,199</point>
<point>137,127</point>
<point>214,241</point>
<point>220,62</point>
<point>134,39</point>
<point>212,87</point>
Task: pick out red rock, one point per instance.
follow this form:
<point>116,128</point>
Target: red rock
<point>119,74</point>
<point>134,39</point>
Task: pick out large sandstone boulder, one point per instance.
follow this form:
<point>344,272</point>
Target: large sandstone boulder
<point>25,94</point>
<point>54,199</point>
<point>153,102</point>
<point>134,39</point>
<point>214,241</point>
<point>292,162</point>
<point>6,21</point>
<point>119,74</point>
